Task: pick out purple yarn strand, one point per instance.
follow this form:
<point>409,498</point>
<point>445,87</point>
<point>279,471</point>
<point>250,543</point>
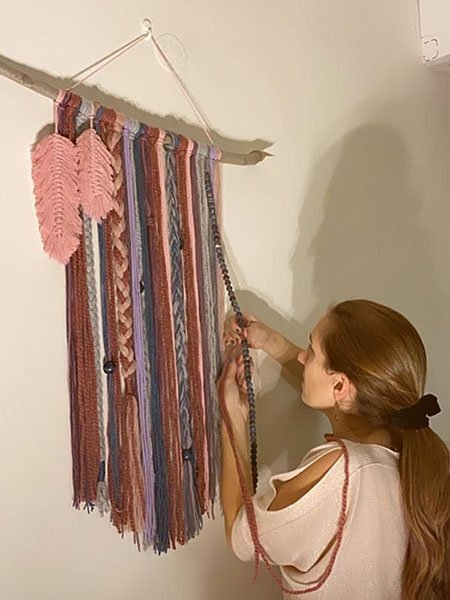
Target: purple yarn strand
<point>138,325</point>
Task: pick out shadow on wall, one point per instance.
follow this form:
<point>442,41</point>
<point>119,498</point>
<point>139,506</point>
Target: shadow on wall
<point>359,226</point>
<point>370,243</point>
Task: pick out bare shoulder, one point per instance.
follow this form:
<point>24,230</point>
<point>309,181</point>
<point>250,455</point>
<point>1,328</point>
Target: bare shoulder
<point>290,491</point>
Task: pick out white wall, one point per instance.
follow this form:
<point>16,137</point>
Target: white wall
<point>354,203</point>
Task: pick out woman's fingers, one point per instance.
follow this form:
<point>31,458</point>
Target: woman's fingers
<point>234,366</point>
<point>231,332</point>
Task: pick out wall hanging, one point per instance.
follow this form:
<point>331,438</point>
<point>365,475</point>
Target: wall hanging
<point>132,212</point>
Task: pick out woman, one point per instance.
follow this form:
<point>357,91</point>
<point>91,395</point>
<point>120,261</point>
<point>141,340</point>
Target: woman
<point>383,469</point>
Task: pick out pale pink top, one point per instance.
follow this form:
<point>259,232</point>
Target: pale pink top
<point>369,562</point>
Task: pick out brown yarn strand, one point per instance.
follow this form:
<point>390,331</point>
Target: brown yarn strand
<point>87,384</point>
<point>196,390</point>
<point>83,355</point>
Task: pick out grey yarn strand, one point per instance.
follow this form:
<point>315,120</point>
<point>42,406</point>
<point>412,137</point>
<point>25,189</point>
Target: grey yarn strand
<point>209,264</point>
<point>102,501</point>
<point>192,505</point>
<point>178,300</point>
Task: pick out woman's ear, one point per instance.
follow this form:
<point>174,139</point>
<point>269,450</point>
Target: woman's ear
<point>344,392</point>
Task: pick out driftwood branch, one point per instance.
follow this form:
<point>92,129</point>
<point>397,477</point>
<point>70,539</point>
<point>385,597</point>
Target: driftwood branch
<point>50,91</point>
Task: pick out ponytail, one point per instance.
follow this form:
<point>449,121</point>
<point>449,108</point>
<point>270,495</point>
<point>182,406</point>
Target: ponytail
<point>425,479</point>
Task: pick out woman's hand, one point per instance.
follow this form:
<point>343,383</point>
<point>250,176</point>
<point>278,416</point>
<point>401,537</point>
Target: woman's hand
<point>256,332</point>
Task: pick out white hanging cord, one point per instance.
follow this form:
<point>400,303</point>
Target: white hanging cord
<point>111,56</point>
<point>206,125</point>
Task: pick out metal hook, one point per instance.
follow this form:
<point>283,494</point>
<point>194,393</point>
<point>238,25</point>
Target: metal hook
<point>148,28</point>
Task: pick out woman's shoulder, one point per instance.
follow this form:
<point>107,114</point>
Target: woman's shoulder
<point>316,454</point>
<point>360,454</point>
<point>289,491</point>
<point>370,455</point>
<point>329,456</point>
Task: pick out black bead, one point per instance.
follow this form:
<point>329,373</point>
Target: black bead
<point>141,286</point>
<point>109,367</point>
<point>186,454</point>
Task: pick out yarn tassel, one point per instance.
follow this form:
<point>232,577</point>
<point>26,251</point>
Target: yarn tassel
<point>102,501</point>
<point>54,173</point>
<point>193,514</point>
<point>135,494</point>
<point>95,175</point>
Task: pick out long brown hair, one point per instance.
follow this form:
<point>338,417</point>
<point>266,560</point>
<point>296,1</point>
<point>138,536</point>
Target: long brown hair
<point>384,357</point>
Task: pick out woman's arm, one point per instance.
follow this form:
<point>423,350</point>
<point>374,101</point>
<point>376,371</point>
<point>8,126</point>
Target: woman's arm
<point>281,349</point>
<point>262,337</point>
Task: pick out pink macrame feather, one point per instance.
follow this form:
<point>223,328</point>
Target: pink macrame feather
<point>54,173</point>
<point>95,175</point>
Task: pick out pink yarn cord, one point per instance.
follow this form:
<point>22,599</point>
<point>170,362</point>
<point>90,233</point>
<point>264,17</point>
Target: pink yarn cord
<point>260,552</point>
